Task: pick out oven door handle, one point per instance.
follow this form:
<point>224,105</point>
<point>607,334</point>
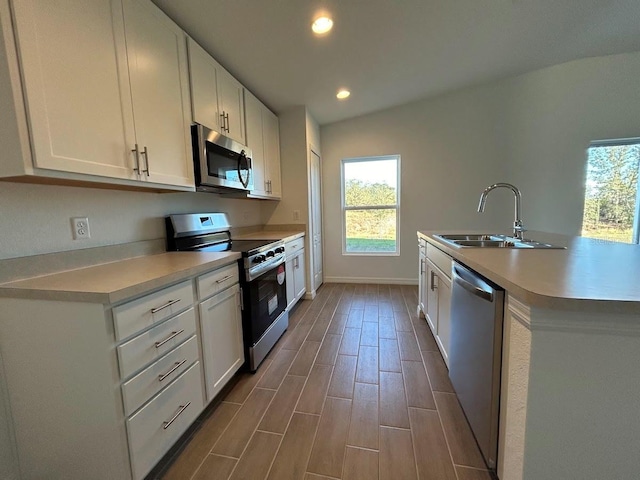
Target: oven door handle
<point>263,268</point>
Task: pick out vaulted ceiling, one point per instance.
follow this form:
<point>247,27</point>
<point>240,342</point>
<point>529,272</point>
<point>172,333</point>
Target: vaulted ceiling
<point>390,52</point>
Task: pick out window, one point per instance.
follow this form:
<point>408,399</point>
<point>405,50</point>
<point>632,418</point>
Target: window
<point>371,205</point>
<point>612,197</point>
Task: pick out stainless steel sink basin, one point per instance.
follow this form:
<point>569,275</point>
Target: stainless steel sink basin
<point>488,240</point>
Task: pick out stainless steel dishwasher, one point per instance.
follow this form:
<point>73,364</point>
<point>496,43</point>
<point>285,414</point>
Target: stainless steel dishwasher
<point>475,356</point>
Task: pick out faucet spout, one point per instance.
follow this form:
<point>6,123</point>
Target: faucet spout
<point>518,227</point>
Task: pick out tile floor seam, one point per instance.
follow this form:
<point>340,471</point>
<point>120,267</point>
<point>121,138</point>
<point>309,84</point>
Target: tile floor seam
<point>293,412</point>
<point>446,440</point>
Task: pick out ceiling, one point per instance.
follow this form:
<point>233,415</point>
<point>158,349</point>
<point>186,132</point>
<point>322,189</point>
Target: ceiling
<point>390,52</point>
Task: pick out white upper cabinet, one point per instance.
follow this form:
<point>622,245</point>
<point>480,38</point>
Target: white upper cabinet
<point>160,92</point>
<point>255,141</point>
<point>231,104</point>
<point>204,94</point>
<point>217,97</point>
<point>73,55</point>
<point>271,131</point>
<point>263,138</point>
<point>98,77</point>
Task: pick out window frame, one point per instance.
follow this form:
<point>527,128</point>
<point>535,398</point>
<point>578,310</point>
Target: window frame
<point>618,142</point>
<point>345,208</point>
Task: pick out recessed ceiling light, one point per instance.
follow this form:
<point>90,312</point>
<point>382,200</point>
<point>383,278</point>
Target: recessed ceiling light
<point>322,25</point>
<point>343,93</point>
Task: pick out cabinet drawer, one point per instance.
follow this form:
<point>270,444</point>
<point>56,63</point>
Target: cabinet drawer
<point>440,259</point>
<point>158,375</point>
<point>154,343</point>
<point>156,427</point>
<point>137,315</point>
<point>293,246</point>
<point>216,281</point>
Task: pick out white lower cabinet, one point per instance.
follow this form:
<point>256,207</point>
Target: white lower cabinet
<point>435,291</point>
<point>103,391</point>
<point>156,426</point>
<point>221,334</point>
<point>295,271</point>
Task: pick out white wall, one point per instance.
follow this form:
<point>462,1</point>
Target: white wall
<point>451,148</point>
<point>531,130</point>
<point>552,116</point>
<point>35,219</point>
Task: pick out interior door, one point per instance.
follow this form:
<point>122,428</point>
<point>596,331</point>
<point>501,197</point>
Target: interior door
<point>316,220</point>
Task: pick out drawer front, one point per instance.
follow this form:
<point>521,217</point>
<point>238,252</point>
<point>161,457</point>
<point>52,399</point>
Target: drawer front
<point>153,344</point>
<point>293,246</point>
<point>440,259</point>
<point>216,281</point>
<point>158,375</point>
<point>156,427</point>
<point>137,315</point>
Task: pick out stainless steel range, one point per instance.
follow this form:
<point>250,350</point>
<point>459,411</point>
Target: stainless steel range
<point>262,276</point>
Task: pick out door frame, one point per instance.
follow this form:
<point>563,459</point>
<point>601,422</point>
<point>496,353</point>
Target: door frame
<point>312,150</point>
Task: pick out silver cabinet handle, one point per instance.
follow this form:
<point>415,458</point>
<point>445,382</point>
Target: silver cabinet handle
<point>145,153</point>
<point>222,129</point>
<point>421,266</point>
<point>224,279</point>
<point>433,280</point>
<point>162,307</point>
<point>176,366</point>
<point>166,425</point>
<point>170,337</point>
<point>226,117</point>
<point>136,151</point>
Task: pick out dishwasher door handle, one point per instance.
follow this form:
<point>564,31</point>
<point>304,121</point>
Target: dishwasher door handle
<point>478,291</point>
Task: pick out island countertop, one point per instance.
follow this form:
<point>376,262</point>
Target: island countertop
<point>589,274</point>
<point>114,282</point>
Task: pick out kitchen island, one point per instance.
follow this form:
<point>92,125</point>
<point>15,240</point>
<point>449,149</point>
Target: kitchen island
<point>570,391</point>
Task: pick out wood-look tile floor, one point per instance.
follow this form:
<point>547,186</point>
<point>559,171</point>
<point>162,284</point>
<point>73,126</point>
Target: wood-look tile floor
<point>355,389</point>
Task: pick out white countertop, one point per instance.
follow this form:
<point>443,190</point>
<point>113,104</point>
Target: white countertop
<point>588,274</point>
<point>117,281</point>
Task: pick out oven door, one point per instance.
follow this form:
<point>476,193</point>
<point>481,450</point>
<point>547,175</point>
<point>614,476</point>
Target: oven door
<point>220,161</point>
<point>265,298</point>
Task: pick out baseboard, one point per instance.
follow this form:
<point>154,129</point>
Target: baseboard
<point>372,280</point>
<point>310,295</point>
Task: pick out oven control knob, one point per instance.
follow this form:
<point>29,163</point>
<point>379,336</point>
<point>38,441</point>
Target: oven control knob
<point>259,259</point>
<point>279,249</point>
<point>270,254</point>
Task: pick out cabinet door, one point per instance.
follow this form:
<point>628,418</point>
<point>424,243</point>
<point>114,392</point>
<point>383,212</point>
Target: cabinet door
<point>290,276</point>
<point>156,50</point>
<point>300,275</point>
<point>221,329</point>
<point>431,286</point>
<point>73,60</point>
<point>204,96</point>
<point>422,283</point>
<point>231,103</point>
<point>253,109</point>
<point>444,316</point>
<point>271,132</point>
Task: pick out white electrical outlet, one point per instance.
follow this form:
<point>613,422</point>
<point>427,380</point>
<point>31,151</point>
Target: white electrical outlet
<point>80,228</point>
<point>296,215</point>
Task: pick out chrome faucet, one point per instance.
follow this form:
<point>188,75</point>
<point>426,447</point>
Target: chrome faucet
<point>518,228</point>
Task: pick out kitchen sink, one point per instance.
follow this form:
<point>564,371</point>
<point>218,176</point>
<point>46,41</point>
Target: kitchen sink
<point>488,240</point>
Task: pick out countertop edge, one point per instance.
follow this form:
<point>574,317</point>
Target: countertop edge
<point>120,295</point>
<point>533,298</point>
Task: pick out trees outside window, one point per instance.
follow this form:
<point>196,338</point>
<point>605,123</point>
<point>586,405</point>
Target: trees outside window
<point>370,205</point>
<point>611,205</point>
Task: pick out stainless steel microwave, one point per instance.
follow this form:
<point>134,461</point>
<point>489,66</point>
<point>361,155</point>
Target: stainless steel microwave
<point>219,161</point>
